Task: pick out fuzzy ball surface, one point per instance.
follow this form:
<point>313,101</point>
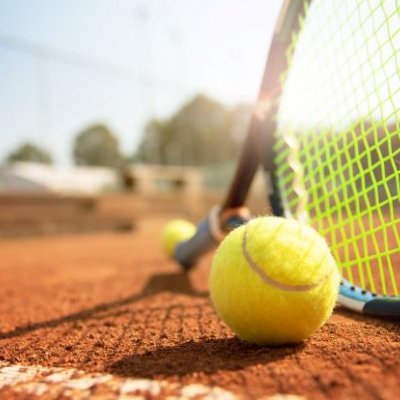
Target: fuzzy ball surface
<point>174,232</point>
<point>274,281</point>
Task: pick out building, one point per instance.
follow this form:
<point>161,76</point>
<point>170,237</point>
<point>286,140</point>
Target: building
<point>34,177</point>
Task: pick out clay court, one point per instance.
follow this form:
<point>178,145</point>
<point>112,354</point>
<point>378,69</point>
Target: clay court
<point>117,117</point>
<point>106,315</point>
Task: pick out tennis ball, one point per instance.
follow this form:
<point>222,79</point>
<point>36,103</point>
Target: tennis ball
<point>174,232</point>
<point>274,281</point>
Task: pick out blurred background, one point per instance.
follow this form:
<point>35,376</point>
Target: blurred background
<point>131,107</point>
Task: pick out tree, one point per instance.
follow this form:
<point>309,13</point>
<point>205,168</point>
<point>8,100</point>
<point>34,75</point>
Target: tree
<point>30,152</point>
<point>151,148</point>
<point>241,116</point>
<point>202,132</point>
<point>97,146</point>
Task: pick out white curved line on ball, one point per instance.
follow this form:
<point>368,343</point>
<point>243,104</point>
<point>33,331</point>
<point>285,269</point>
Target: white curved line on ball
<point>272,282</point>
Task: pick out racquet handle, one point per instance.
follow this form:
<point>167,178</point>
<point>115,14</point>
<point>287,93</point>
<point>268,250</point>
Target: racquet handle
<point>189,251</point>
<point>208,234</point>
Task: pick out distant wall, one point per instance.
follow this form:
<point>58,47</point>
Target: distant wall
<point>152,192</point>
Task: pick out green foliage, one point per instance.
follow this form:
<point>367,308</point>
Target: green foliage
<point>97,146</point>
<point>30,152</point>
<point>202,132</point>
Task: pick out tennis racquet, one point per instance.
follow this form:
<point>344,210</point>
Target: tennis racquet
<point>326,129</point>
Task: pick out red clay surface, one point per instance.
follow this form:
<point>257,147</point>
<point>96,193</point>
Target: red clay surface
<point>113,303</point>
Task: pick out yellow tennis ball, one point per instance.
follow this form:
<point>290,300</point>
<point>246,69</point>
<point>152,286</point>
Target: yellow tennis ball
<point>274,281</point>
<point>174,232</point>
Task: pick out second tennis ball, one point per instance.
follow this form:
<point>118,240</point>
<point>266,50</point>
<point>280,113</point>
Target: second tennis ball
<point>175,232</point>
<point>274,281</point>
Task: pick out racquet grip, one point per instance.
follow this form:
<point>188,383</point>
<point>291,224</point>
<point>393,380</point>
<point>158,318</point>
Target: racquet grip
<point>208,234</point>
<point>189,251</point>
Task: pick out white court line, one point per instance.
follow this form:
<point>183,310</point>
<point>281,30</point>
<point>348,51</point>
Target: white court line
<point>76,384</point>
<point>70,383</point>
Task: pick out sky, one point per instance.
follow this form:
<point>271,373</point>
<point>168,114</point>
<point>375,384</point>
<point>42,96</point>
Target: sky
<point>66,64</point>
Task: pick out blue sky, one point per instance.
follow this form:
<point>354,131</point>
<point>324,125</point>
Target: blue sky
<point>65,64</point>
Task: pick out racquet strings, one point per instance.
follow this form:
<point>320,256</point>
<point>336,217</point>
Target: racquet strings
<point>337,142</point>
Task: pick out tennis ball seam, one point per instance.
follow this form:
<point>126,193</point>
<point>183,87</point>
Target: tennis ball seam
<point>272,282</point>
